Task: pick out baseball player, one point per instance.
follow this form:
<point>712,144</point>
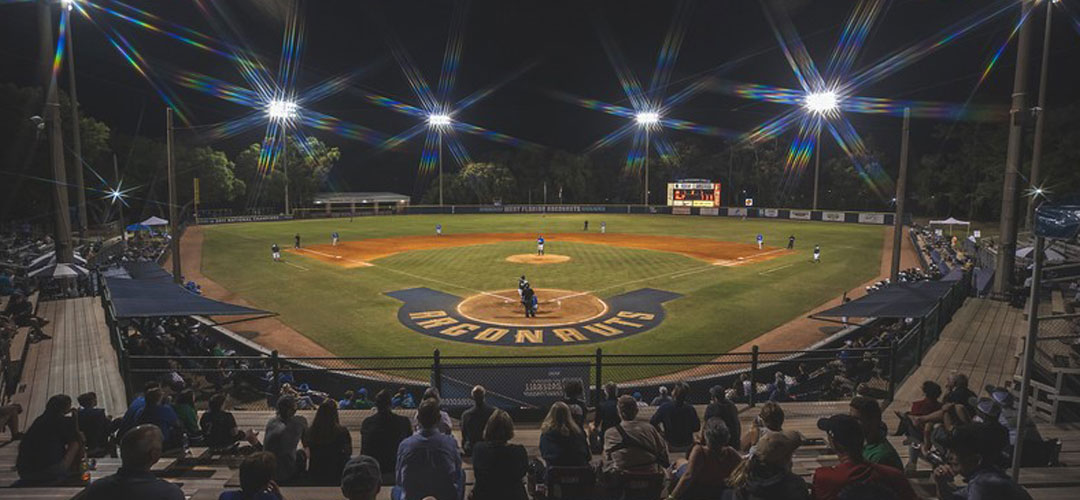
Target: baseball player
<point>297,239</point>
<point>540,245</point>
<point>817,254</point>
<point>528,301</point>
<point>586,226</point>
<point>438,229</point>
<point>333,238</point>
<point>791,242</point>
<point>603,227</point>
<point>760,241</point>
<point>522,285</point>
<point>275,251</point>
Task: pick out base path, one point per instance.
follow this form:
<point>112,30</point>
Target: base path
<point>360,253</point>
<point>531,258</point>
<point>555,307</point>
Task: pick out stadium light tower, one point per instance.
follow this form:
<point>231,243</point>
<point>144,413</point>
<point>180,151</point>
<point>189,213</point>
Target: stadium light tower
<point>647,120</point>
<point>284,111</point>
<point>821,104</point>
<point>440,122</point>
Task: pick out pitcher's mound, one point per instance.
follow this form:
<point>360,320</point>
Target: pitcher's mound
<point>529,258</point>
<point>557,307</point>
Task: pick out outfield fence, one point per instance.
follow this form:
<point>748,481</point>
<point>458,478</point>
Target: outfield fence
<point>831,370</point>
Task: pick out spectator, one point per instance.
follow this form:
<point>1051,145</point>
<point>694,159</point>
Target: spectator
<point>474,420</point>
<point>572,396</point>
<point>446,426</point>
<point>972,452</point>
<point>664,397</point>
<point>403,399</point>
<point>95,426</point>
<point>329,445</point>
<point>137,404</point>
<point>704,475</point>
<point>678,420</point>
<point>140,449</point>
<point>725,409</point>
<point>779,388</point>
<point>766,474</point>
<point>637,397</point>
<point>928,404</point>
<point>21,311</point>
<point>184,407</point>
<point>362,402</point>
<point>499,467</point>
<point>256,479</point>
<point>220,430</point>
<point>7,284</point>
<point>956,405</point>
<point>562,442</point>
<point>381,433</point>
<point>163,417</point>
<point>877,449</point>
<point>607,412</point>
<point>428,462</point>
<point>9,418</point>
<point>845,437</point>
<point>361,479</point>
<point>283,433</point>
<point>52,447</point>
<point>770,419</point>
<point>633,445</point>
<point>348,401</point>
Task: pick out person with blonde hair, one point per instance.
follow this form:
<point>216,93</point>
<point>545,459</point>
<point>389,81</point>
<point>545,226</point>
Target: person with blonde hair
<point>766,474</point>
<point>562,442</point>
<point>498,465</point>
<point>771,419</point>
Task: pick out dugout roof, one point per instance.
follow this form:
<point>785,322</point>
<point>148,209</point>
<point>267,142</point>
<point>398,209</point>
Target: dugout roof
<point>156,296</point>
<point>900,300</point>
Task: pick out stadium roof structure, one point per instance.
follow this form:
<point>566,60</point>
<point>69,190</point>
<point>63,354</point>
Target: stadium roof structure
<point>361,197</point>
<point>899,300</point>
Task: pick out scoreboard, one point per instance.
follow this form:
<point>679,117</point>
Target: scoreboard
<point>693,193</point>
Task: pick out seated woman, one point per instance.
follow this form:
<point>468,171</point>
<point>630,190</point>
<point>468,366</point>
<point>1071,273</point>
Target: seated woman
<point>499,466</point>
<point>704,475</point>
<point>219,429</point>
<point>329,443</point>
<point>562,442</point>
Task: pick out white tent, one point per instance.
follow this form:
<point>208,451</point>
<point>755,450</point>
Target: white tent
<point>154,221</point>
<point>49,258</point>
<point>59,271</point>
<point>951,222</point>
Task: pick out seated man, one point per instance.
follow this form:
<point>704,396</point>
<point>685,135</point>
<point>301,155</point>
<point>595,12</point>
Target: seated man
<point>95,425</point>
<point>52,448</point>
<point>845,437</point>
<point>283,433</point>
<point>219,428</point>
<point>678,419</point>
<point>972,452</point>
<point>162,416</point>
<point>956,406</point>
<point>428,462</point>
<point>633,445</point>
<point>877,449</point>
<point>474,420</point>
<point>925,406</point>
<point>140,449</point>
<point>381,433</point>
<point>256,479</point>
<point>361,478</point>
<point>446,426</point>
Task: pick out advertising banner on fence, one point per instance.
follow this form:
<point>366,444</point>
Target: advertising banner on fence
<point>736,212</point>
<point>522,386</point>
<point>680,210</point>
<point>832,216</point>
<point>871,218</point>
<point>710,211</point>
<point>799,214</point>
<point>770,212</point>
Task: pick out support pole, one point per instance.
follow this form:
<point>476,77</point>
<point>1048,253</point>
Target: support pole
<point>1003,279</point>
<point>1029,355</point>
<point>817,164</point>
<point>646,194</point>
<point>440,169</point>
<point>901,194</point>
<point>1040,118</point>
<point>120,205</point>
<point>76,133</point>
<point>285,166</point>
<point>174,235</point>
<point>62,230</point>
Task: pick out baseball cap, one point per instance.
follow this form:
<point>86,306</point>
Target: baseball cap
<point>776,447</point>
<point>845,430</point>
<point>361,475</point>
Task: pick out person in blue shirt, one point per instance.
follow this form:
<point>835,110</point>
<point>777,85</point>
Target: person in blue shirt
<point>7,285</point>
<point>973,450</point>
<point>333,238</point>
<point>428,462</point>
<point>540,245</point>
<point>162,416</point>
<point>760,241</point>
<point>678,420</point>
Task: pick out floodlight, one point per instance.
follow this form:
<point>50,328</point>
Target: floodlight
<point>280,109</point>
<point>68,4</point>
<point>647,118</point>
<point>822,102</point>
<point>439,120</point>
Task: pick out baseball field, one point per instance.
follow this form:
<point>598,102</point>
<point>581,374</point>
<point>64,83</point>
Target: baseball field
<point>717,289</point>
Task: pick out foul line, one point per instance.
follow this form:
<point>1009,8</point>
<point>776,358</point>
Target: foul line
<point>767,271</point>
<point>302,268</point>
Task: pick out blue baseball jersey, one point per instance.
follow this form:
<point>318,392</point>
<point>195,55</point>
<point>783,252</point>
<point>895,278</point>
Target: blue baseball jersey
<point>760,237</point>
<point>334,235</point>
<point>540,240</point>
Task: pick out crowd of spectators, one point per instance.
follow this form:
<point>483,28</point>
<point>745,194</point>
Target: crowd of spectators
<point>944,252</point>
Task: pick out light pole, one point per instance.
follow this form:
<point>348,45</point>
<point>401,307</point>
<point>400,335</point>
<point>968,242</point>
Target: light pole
<point>647,120</point>
<point>440,121</point>
<point>822,104</point>
<point>1040,115</point>
<point>76,139</point>
<point>901,195</point>
<point>174,233</point>
<point>63,249</point>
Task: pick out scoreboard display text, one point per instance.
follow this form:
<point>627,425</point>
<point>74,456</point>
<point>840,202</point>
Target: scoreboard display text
<point>693,194</point>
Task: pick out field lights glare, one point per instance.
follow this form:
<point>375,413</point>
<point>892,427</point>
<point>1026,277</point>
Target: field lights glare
<point>280,109</point>
<point>439,120</point>
<point>647,118</point>
<point>822,102</point>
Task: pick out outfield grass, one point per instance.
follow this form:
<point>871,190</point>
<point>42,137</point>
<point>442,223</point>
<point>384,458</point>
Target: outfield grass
<point>346,311</point>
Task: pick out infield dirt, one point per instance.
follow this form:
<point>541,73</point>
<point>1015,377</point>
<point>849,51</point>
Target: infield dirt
<point>556,307</point>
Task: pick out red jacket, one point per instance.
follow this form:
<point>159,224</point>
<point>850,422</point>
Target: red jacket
<point>828,481</point>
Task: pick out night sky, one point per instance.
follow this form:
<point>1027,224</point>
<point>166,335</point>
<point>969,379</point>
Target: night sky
<point>730,39</point>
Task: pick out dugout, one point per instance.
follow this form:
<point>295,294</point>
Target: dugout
<point>358,203</point>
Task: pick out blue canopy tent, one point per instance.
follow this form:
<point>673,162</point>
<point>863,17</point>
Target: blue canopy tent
<point>150,293</point>
<point>138,227</point>
<point>898,300</point>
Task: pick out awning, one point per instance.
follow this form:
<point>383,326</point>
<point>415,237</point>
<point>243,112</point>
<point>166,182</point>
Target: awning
<point>900,300</point>
<point>155,298</point>
<point>59,271</point>
<point>146,270</point>
<point>154,221</point>
<point>950,222</point>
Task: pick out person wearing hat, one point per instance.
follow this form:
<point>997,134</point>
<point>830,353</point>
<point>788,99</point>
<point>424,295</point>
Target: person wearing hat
<point>766,474</point>
<point>361,478</point>
<point>973,451</point>
<point>845,437</point>
<point>725,409</point>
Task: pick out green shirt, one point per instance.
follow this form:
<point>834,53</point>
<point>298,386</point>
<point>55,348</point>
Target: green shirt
<point>882,453</point>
